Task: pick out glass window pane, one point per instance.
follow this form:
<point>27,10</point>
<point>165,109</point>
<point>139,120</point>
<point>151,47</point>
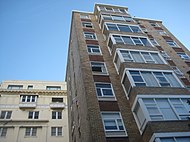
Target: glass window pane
<point>173,81</point>
<point>137,41</point>
<point>119,18</point>
<point>167,140</point>
<point>157,58</point>
<point>112,27</point>
<point>145,42</point>
<point>118,39</point>
<point>127,40</point>
<point>124,28</point>
<point>110,125</point>
<point>137,57</point>
<point>135,29</point>
<point>107,92</point>
<point>149,78</point>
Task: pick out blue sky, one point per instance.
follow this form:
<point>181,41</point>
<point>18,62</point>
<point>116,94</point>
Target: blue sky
<point>34,34</point>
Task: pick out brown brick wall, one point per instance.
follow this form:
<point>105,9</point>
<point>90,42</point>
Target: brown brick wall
<point>109,106</point>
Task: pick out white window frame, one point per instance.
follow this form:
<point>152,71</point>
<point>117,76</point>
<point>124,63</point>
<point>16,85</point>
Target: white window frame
<point>53,87</point>
<point>104,97</point>
<point>87,24</point>
<point>99,73</point>
<point>6,114</point>
<point>139,100</point>
<point>32,130</point>
<point>15,87</point>
<point>130,36</point>
<point>140,52</point>
<point>34,114</point>
<point>84,16</point>
<point>3,132</point>
<point>126,71</point>
<point>152,40</point>
<point>156,24</point>
<point>162,32</point>
<point>56,131</point>
<point>157,136</point>
<point>129,25</point>
<point>57,114</point>
<point>120,117</point>
<point>173,42</point>
<point>113,9</point>
<point>90,34</point>
<point>182,56</point>
<point>177,71</point>
<point>100,53</point>
<point>26,98</point>
<point>165,55</point>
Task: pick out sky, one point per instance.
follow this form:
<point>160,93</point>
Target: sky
<point>34,34</point>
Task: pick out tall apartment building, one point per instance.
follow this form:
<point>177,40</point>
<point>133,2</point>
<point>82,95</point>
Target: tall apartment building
<point>127,79</point>
<point>33,111</point>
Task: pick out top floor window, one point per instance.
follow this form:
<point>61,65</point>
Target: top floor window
<point>154,24</point>
<point>123,28</point>
<point>30,87</point>
<point>130,40</point>
<point>53,87</point>
<point>84,16</point>
<point>89,35</point>
<point>110,9</point>
<point>15,87</point>
<point>117,17</point>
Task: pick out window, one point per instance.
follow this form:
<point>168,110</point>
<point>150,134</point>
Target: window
<point>153,78</point>
<point>33,115</point>
<point>160,109</point>
<point>3,131</point>
<point>161,32</point>
<point>165,55</point>
<point>87,24</point>
<point>171,137</point>
<point>183,56</point>
<point>31,131</point>
<point>93,49</point>
<point>102,8</point>
<point>57,100</point>
<point>56,131</point>
<point>5,114</point>
<point>15,87</point>
<point>154,24</point>
<point>104,90</point>
<point>53,87</point>
<point>84,17</point>
<point>113,124</point>
<point>140,56</point>
<point>128,40</point>
<point>177,71</point>
<point>154,42</point>
<point>89,35</point>
<point>117,18</point>
<point>98,67</point>
<point>123,28</point>
<point>56,114</point>
<point>171,43</point>
<point>30,87</point>
<point>28,98</point>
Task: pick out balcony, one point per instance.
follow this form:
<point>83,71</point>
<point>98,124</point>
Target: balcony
<point>57,105</point>
<point>27,105</point>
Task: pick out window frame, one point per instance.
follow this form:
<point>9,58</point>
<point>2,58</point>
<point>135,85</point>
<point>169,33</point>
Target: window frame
<point>105,97</point>
<point>116,122</point>
<point>90,34</point>
<point>32,131</point>
<point>169,42</point>
<point>118,51</point>
<point>154,42</point>
<point>6,114</point>
<point>57,129</point>
<point>32,98</point>
<point>126,72</point>
<point>104,68</point>
<point>118,29</point>
<point>182,56</point>
<point>57,115</point>
<point>94,53</point>
<point>84,16</point>
<point>130,36</point>
<point>53,87</point>
<point>87,24</point>
<point>157,136</point>
<point>124,18</point>
<point>33,114</point>
<point>14,87</point>
<point>139,101</point>
<point>3,132</point>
